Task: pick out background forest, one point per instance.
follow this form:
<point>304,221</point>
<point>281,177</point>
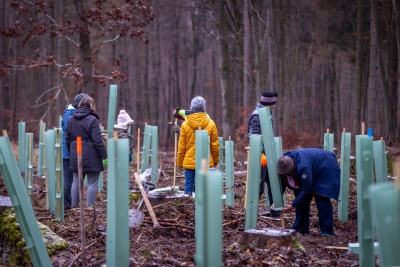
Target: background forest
<point>334,64</point>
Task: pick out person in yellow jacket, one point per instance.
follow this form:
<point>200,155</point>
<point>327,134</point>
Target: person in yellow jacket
<point>196,118</point>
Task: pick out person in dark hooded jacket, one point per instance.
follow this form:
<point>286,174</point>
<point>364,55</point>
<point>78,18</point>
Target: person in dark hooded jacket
<point>84,123</point>
<point>311,173</point>
<point>68,175</point>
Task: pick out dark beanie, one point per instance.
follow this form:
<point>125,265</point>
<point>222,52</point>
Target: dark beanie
<point>268,98</point>
<point>285,165</point>
<point>78,99</point>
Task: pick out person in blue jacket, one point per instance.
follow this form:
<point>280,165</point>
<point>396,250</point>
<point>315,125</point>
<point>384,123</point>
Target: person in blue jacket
<point>69,111</point>
<point>311,173</point>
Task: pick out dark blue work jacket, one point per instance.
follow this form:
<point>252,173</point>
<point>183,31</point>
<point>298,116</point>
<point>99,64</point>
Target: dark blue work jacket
<point>317,172</point>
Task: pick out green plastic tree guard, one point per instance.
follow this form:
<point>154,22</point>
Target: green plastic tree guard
<point>221,154</point>
<point>202,153</point>
<point>253,181</point>
<point>343,202</point>
<point>117,251</point>
<point>29,164</point>
<point>364,160</point>
<point>146,148</point>
<point>49,140</point>
<point>385,207</point>
<point>209,239</point>
<point>42,129</point>
<point>269,148</point>
<point>112,106</point>
<point>278,153</point>
<point>229,176</point>
<point>328,141</point>
<point>21,146</point>
<point>23,209</point>
<point>381,171</point>
<point>154,154</point>
<point>59,212</point>
<point>278,147</point>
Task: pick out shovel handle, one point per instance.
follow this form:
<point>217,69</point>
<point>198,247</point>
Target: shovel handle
<point>146,201</point>
<point>175,143</point>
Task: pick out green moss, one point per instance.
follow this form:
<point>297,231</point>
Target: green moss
<point>10,232</point>
<point>134,196</point>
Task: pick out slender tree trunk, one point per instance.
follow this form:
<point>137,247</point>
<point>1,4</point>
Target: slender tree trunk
<point>375,83</point>
<point>396,5</point>
<point>247,100</point>
<point>271,54</point>
<point>359,54</point>
<point>224,65</point>
<point>258,70</point>
<point>384,84</point>
<point>86,51</point>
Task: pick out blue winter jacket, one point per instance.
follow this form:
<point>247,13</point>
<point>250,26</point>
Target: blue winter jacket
<point>317,171</point>
<point>69,110</point>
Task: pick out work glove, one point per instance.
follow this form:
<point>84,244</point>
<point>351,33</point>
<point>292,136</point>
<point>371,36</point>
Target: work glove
<point>176,129</point>
<point>263,160</point>
<point>105,163</point>
<point>179,113</point>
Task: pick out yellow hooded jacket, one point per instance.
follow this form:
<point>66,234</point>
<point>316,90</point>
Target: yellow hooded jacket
<point>187,140</point>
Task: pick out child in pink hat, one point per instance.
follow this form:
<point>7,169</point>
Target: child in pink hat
<point>123,123</point>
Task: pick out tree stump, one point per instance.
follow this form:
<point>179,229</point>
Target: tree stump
<point>268,237</point>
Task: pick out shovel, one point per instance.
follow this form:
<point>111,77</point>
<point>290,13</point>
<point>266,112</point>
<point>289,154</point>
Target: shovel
<point>136,216</point>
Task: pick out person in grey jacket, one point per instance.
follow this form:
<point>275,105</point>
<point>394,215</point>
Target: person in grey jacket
<point>311,173</point>
<point>69,111</point>
<point>84,123</point>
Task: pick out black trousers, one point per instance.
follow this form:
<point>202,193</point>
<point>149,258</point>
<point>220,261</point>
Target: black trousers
<point>265,179</point>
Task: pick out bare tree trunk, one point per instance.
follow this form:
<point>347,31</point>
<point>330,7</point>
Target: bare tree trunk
<point>247,100</point>
<point>384,84</point>
<point>258,54</point>
<point>375,83</point>
<point>357,106</point>
<point>271,54</point>
<point>228,124</point>
<point>396,5</point>
<point>86,51</point>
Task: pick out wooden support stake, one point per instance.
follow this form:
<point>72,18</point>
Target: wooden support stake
<point>327,130</point>
<point>138,151</point>
<point>175,152</point>
<point>282,219</point>
<point>4,132</point>
<point>146,201</point>
<point>81,205</point>
<point>363,128</point>
<point>247,175</point>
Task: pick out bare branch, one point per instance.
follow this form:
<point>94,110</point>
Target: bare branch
<point>45,92</point>
<point>112,40</point>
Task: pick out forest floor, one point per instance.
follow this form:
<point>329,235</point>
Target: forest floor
<point>174,244</point>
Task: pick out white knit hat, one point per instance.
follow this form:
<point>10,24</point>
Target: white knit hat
<point>123,119</point>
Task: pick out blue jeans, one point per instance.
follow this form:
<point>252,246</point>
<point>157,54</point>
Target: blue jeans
<point>67,184</point>
<point>189,181</point>
<point>325,215</point>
